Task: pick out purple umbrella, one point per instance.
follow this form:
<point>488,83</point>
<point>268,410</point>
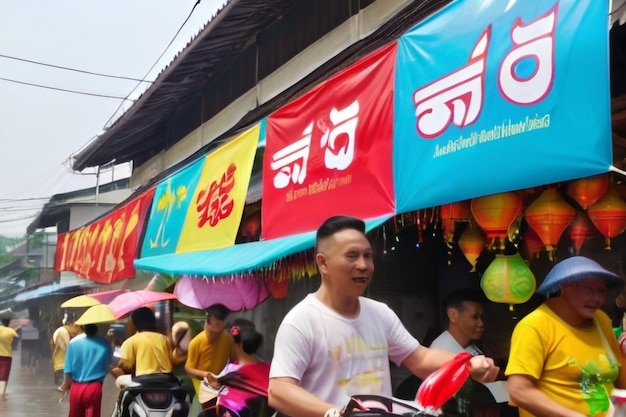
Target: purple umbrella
<point>241,293</point>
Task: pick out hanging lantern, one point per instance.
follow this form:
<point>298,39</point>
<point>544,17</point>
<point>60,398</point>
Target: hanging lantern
<point>278,287</point>
<point>580,230</point>
<point>549,215</point>
<point>609,215</point>
<point>450,215</point>
<point>587,191</point>
<point>513,234</point>
<point>494,214</point>
<point>531,244</point>
<point>508,280</point>
<point>472,242</point>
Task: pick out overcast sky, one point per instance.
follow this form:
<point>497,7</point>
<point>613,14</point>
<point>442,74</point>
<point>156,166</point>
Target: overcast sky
<point>40,128</point>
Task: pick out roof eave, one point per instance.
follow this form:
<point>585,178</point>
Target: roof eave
<point>81,160</point>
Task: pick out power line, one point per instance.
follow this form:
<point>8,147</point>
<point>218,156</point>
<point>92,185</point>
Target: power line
<point>65,90</point>
<point>99,74</point>
<point>18,209</point>
<point>18,219</point>
<point>153,65</point>
<point>14,200</point>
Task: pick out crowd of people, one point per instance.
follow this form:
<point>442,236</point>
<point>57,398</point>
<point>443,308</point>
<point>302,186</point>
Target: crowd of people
<point>565,359</point>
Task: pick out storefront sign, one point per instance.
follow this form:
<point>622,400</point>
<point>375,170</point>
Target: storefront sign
<point>494,96</point>
<point>329,151</point>
<point>104,250</point>
<point>200,207</point>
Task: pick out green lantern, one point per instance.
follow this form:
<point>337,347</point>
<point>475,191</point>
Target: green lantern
<point>508,280</point>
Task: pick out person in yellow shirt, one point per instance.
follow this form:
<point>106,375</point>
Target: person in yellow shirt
<point>7,336</point>
<point>145,353</point>
<point>564,359</point>
<point>60,339</point>
<point>209,351</point>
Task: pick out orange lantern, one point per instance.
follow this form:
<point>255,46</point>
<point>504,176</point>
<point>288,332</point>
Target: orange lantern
<point>587,191</point>
<point>450,215</point>
<point>549,215</point>
<point>278,287</point>
<point>508,280</point>
<point>472,242</point>
<point>580,230</point>
<point>531,244</point>
<point>495,213</point>
<point>609,215</point>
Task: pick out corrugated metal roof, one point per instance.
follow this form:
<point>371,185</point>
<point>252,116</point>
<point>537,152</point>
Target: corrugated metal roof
<point>204,58</point>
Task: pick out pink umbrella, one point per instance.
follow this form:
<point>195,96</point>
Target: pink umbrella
<point>130,301</point>
<point>92,299</point>
<point>242,293</point>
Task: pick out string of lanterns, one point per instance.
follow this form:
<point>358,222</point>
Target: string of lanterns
<point>579,208</point>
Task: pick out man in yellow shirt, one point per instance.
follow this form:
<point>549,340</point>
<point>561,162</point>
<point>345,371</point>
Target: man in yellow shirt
<point>7,335</point>
<point>564,358</point>
<point>147,352</point>
<point>60,339</point>
<point>210,350</point>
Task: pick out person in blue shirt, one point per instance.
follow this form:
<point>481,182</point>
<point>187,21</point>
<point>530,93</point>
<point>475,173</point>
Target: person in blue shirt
<point>87,363</point>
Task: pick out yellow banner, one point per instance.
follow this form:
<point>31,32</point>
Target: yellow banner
<point>216,207</point>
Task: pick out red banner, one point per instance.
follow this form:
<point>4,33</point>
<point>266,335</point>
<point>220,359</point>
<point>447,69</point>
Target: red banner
<point>103,251</point>
<point>330,151</point>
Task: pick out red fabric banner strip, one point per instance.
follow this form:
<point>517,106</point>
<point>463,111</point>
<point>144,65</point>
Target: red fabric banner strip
<point>103,251</point>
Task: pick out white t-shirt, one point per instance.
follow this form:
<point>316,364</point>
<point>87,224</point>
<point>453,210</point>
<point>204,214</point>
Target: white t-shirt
<point>335,357</point>
<point>445,341</point>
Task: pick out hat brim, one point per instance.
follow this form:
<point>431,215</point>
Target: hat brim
<point>573,270</point>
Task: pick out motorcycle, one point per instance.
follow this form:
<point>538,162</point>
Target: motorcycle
<point>434,391</point>
<point>156,395</point>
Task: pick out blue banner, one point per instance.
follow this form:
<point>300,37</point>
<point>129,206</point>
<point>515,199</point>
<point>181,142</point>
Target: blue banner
<point>169,208</point>
<point>496,96</point>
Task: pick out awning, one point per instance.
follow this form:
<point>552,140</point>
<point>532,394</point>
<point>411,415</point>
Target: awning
<point>236,258</point>
<point>44,290</point>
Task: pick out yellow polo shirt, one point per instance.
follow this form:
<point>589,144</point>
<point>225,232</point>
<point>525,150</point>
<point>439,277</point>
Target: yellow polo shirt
<point>206,356</point>
<point>146,353</point>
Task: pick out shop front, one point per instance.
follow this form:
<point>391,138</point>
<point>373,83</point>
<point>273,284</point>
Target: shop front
<point>479,155</point>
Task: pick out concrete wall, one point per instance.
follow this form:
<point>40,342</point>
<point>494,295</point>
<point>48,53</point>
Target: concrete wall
<point>81,215</point>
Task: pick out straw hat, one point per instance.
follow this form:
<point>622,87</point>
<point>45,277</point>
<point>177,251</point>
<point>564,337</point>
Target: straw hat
<point>575,269</point>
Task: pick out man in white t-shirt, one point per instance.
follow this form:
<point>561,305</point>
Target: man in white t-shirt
<point>464,310</point>
<point>336,343</point>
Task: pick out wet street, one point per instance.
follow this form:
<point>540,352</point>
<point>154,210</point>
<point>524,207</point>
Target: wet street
<point>33,393</point>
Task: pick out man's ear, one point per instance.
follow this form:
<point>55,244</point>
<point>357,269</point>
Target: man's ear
<point>452,314</point>
<point>320,260</point>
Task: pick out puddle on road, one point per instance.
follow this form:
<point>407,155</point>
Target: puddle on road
<point>32,392</point>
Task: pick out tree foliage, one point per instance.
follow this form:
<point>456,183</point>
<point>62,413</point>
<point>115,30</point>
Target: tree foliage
<point>8,243</point>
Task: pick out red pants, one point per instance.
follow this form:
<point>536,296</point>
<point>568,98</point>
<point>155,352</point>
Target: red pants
<point>85,399</point>
<point>5,367</point>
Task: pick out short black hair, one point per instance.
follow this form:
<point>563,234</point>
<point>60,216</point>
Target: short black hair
<point>5,321</point>
<point>456,298</point>
<point>144,319</point>
<point>90,329</point>
<point>218,311</point>
<point>336,224</point>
